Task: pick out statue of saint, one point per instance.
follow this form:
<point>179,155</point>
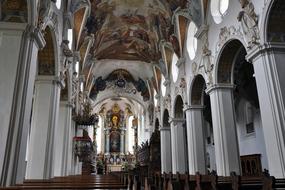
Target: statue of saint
<point>249,22</point>
<point>115,121</point>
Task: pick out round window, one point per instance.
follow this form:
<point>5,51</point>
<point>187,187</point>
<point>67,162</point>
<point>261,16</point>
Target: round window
<point>163,88</point>
<point>192,40</point>
<point>58,4</point>
<point>174,68</point>
<point>154,98</point>
<point>219,9</point>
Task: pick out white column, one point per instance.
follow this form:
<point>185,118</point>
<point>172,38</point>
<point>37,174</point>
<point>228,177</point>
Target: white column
<point>165,147</point>
<point>224,128</point>
<point>269,68</point>
<point>196,140</point>
<point>178,146</point>
<point>44,121</point>
<point>19,45</point>
<point>62,140</point>
<point>122,145</point>
<point>107,143</point>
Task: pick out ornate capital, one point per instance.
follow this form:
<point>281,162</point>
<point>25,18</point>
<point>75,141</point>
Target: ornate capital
<point>180,62</point>
<point>203,30</point>
<point>164,128</point>
<point>166,82</point>
<point>186,107</point>
<point>38,36</point>
<point>76,56</point>
<point>176,121</point>
<point>219,87</point>
<point>193,107</point>
<point>259,50</point>
<point>60,80</point>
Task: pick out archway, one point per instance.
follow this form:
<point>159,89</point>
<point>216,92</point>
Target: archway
<point>45,110</point>
<point>178,108</point>
<point>270,67</point>
<point>275,30</point>
<point>234,69</point>
<point>155,149</point>
<point>165,136</point>
<point>199,129</point>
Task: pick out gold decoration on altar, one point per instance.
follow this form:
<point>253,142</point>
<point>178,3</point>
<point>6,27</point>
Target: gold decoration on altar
<point>116,108</point>
<point>115,121</point>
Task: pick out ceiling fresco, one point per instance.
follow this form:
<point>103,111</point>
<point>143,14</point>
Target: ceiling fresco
<point>132,29</point>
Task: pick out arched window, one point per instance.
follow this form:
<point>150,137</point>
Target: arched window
<point>131,136</point>
<point>174,68</point>
<point>219,9</point>
<point>163,87</point>
<point>192,40</point>
<point>99,135</point>
<point>154,98</point>
<point>58,4</point>
<point>70,37</point>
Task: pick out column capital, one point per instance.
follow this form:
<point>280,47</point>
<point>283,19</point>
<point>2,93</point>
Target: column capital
<point>176,120</point>
<point>166,82</point>
<point>193,107</point>
<point>76,56</point>
<point>214,87</point>
<point>38,36</point>
<point>261,49</point>
<point>68,104</point>
<point>163,128</point>
<point>180,62</point>
<point>59,80</point>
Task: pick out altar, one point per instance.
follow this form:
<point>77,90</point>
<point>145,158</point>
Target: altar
<point>114,168</point>
<point>115,155</point>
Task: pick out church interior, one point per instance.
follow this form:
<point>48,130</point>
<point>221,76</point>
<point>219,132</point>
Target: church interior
<point>142,94</point>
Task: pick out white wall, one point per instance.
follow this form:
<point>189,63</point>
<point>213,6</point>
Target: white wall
<point>252,143</point>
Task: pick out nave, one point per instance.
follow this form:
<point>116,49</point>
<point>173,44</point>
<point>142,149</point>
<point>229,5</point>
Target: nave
<point>142,94</point>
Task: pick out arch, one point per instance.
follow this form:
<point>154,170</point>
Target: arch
<point>274,30</point>
<point>156,126</point>
<point>265,19</point>
<point>191,40</point>
<point>197,90</point>
<point>166,118</point>
<point>228,55</point>
<point>178,107</point>
<point>46,56</point>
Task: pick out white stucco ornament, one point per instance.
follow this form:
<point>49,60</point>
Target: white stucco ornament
<point>227,33</point>
<point>207,64</point>
<point>249,23</point>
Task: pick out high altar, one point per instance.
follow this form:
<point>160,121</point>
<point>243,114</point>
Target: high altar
<point>115,136</point>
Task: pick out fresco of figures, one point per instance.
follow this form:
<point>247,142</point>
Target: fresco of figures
<point>131,29</point>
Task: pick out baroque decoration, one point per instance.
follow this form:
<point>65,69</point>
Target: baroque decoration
<point>225,34</point>
<point>86,118</point>
<point>131,30</point>
<point>83,147</point>
<point>120,81</point>
<point>249,23</point>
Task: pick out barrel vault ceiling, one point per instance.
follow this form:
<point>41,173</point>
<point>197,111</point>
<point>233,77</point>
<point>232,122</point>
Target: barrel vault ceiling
<point>127,36</point>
